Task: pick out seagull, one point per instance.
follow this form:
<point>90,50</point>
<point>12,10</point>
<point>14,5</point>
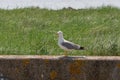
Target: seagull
<point>67,45</point>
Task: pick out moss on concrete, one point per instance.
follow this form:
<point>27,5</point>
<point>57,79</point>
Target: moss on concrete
<point>59,68</point>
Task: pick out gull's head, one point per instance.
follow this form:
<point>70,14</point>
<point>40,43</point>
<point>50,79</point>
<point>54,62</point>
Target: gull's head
<point>60,33</point>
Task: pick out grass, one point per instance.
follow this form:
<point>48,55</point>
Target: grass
<point>33,31</point>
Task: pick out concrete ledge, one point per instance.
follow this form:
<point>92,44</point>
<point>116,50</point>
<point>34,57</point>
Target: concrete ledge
<point>28,67</point>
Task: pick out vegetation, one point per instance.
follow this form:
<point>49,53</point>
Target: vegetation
<point>33,31</point>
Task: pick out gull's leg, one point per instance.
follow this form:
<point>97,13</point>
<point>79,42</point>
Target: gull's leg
<point>65,53</point>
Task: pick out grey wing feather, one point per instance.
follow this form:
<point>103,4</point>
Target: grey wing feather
<point>70,45</point>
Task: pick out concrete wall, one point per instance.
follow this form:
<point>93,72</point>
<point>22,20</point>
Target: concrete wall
<point>59,68</point>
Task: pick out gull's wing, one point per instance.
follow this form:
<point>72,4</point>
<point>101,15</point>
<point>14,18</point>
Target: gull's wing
<point>70,45</point>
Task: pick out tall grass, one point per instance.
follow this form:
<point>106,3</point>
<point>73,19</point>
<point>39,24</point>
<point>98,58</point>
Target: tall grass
<point>33,31</point>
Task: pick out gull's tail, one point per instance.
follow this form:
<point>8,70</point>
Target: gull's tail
<point>81,48</point>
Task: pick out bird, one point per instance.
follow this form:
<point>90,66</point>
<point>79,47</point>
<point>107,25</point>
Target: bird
<point>67,45</point>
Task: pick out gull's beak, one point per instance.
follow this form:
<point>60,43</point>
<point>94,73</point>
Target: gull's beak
<point>57,34</point>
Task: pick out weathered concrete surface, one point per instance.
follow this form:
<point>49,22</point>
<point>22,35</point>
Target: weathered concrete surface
<point>17,67</point>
